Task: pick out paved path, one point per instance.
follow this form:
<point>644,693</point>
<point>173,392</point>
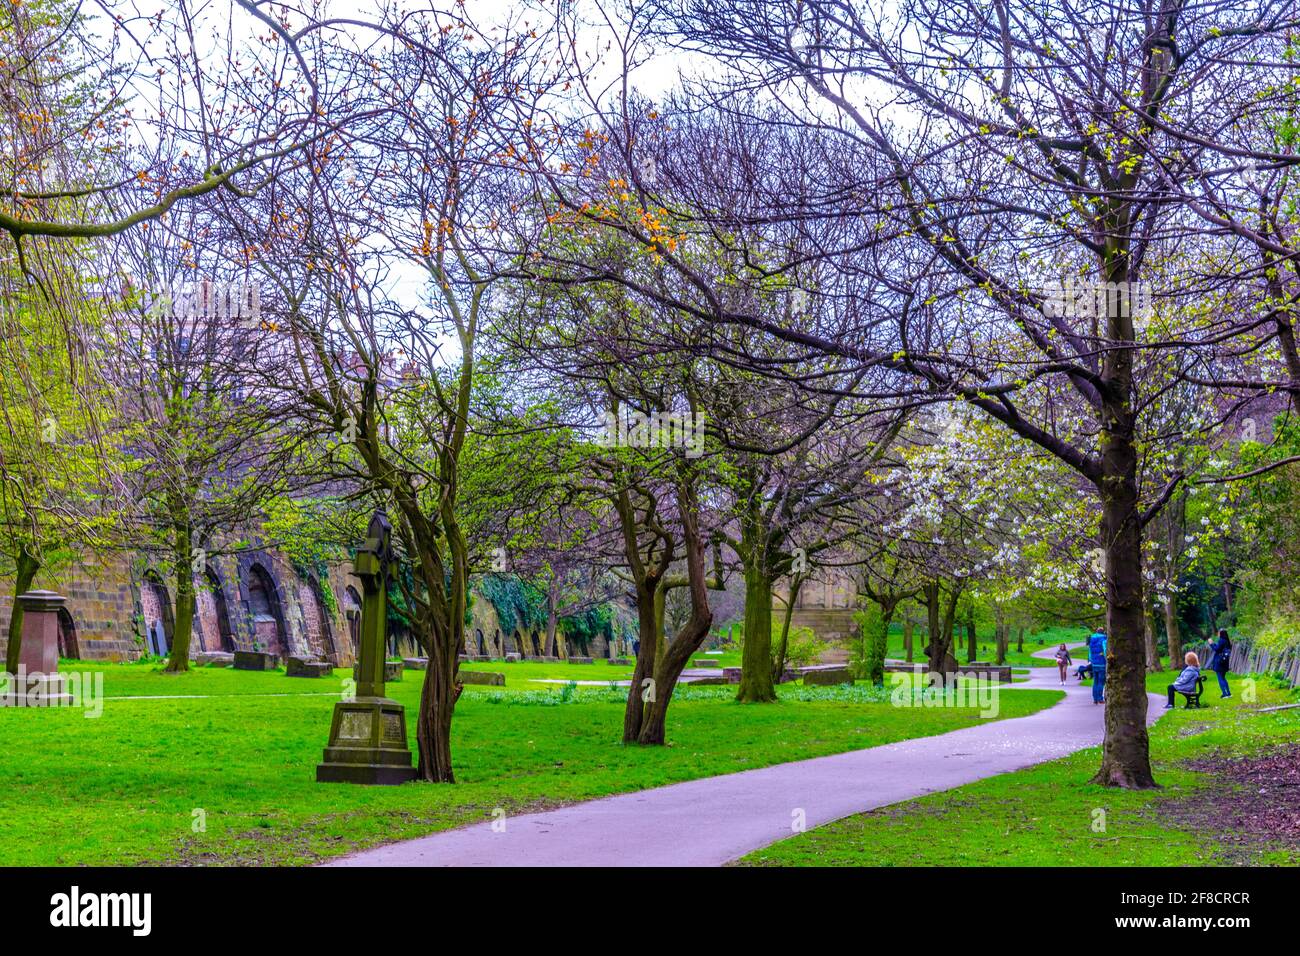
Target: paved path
<point>711,821</point>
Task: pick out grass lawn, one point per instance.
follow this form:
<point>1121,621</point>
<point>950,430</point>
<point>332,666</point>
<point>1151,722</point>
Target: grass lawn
<point>130,786</point>
<point>1050,815</point>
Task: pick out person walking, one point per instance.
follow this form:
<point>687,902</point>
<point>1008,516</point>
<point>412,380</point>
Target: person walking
<point>1219,658</point>
<point>1187,679</point>
<point>1097,660</point>
<point>1063,662</point>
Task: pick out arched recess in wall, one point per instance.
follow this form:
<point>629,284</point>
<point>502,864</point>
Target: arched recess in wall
<point>320,640</point>
<point>537,645</point>
<point>68,636</point>
<point>481,642</point>
<point>212,613</point>
<point>265,612</point>
<point>352,614</point>
<point>156,611</point>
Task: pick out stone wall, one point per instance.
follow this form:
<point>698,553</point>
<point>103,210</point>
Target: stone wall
<point>244,601</point>
<point>249,600</point>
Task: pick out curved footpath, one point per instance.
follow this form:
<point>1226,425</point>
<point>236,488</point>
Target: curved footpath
<point>713,820</point>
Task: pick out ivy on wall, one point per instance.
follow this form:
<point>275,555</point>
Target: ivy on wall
<point>520,606</point>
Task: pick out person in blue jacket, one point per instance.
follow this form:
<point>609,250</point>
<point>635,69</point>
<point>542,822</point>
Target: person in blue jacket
<point>1186,680</point>
<point>1097,660</point>
<point>1221,654</point>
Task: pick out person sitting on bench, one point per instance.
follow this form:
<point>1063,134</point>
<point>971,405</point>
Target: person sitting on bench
<point>1187,680</point>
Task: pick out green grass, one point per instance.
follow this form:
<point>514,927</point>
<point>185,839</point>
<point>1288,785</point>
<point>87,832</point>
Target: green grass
<point>125,788</point>
<point>1049,815</point>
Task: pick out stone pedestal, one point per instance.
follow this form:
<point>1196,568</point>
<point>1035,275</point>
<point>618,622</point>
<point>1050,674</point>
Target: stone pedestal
<point>38,657</point>
<point>367,744</point>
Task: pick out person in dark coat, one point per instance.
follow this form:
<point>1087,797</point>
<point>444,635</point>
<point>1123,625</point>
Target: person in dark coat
<point>1221,654</point>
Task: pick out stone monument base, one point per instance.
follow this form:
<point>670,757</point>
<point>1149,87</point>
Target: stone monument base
<point>367,744</point>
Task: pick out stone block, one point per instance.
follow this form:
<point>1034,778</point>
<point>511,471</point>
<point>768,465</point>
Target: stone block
<point>621,661</point>
<point>255,661</point>
<point>580,660</point>
<point>418,663</point>
<point>481,677</point>
<point>828,677</point>
<point>392,671</point>
<point>297,667</point>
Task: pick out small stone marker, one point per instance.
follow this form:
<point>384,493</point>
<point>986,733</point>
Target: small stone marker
<point>297,667</point>
<point>828,677</point>
<point>513,658</point>
<point>213,659</point>
<point>580,660</point>
<point>255,661</point>
<point>392,670</point>
<point>620,661</point>
<point>481,677</point>
<point>731,675</point>
<point>418,663</point>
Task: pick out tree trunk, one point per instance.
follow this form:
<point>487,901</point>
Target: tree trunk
<point>796,583</point>
<point>1020,639</point>
<point>647,655</point>
<point>756,660</point>
<point>178,659</point>
<point>908,627</point>
<point>1173,633</point>
<point>552,622</point>
<point>972,639</point>
<point>438,696</point>
<point>878,646</point>
<point>1153,649</point>
<point>1126,756</point>
<point>28,565</point>
<point>689,638</point>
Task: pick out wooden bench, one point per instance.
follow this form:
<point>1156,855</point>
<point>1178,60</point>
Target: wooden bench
<point>1194,696</point>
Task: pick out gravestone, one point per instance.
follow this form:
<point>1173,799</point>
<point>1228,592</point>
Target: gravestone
<point>297,667</point>
<point>255,661</point>
<point>482,677</point>
<point>367,742</point>
<point>620,661</point>
<point>419,663</point>
<point>827,677</point>
<point>580,660</point>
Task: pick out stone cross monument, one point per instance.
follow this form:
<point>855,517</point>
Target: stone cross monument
<point>367,742</point>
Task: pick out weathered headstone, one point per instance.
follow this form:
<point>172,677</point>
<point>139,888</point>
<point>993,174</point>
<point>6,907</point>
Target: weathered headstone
<point>481,677</point>
<point>297,667</point>
<point>580,660</point>
<point>255,661</point>
<point>827,677</point>
<point>418,663</point>
<point>367,742</point>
